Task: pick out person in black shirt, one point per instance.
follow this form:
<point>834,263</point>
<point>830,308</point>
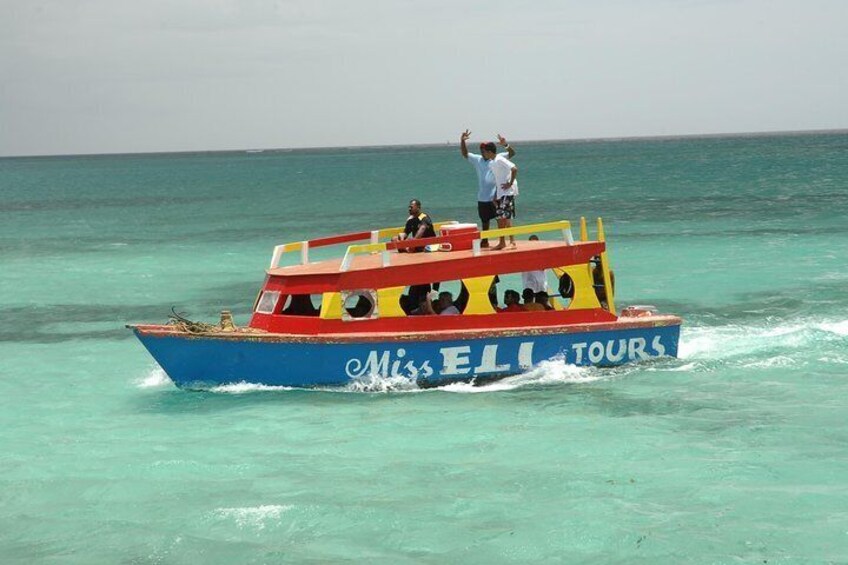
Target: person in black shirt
<point>418,225</point>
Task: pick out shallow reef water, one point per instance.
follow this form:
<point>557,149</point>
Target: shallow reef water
<point>737,451</point>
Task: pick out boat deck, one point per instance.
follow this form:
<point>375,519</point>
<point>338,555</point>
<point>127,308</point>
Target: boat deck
<point>530,327</point>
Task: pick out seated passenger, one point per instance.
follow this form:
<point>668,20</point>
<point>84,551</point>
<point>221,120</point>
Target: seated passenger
<point>530,300</point>
<point>418,226</point>
<point>530,303</point>
<point>410,302</point>
<point>542,298</point>
<point>424,308</point>
<point>446,306</point>
<point>511,299</point>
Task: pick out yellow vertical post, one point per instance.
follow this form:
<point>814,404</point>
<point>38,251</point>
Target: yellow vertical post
<point>606,270</point>
<point>478,295</point>
<point>331,306</point>
<point>584,234</point>
<point>584,297</point>
<point>389,301</point>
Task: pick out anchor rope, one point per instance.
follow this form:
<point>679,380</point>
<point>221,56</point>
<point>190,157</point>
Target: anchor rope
<point>184,324</point>
<point>180,322</point>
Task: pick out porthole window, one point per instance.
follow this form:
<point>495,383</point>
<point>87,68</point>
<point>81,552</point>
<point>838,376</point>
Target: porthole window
<point>267,302</point>
<point>359,305</point>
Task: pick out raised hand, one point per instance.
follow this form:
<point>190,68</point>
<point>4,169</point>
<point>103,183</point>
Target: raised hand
<point>465,135</point>
<point>502,140</point>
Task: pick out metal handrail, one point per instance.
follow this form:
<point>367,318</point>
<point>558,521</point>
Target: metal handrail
<point>353,250</point>
<point>563,225</point>
<point>400,245</point>
<point>303,246</point>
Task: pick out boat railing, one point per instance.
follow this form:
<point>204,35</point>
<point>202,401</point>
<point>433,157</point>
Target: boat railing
<point>383,248</point>
<point>304,246</point>
<point>375,246</point>
<point>559,225</point>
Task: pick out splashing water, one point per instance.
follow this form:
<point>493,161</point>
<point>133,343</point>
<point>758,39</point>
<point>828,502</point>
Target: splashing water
<point>838,328</point>
<point>254,517</point>
<point>754,346</point>
<point>244,387</point>
<point>376,383</point>
<point>155,378</point>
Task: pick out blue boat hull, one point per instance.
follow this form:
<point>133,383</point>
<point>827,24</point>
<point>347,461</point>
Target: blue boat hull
<point>200,362</point>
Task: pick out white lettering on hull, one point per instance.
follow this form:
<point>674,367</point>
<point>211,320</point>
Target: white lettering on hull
<point>637,348</point>
<point>613,351</point>
<point>489,362</point>
<point>525,355</point>
<point>453,357</point>
<point>464,359</point>
<point>622,350</point>
<point>378,365</point>
<point>659,348</point>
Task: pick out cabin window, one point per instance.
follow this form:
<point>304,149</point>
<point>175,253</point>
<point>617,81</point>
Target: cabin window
<point>531,287</point>
<point>359,305</point>
<point>413,300</point>
<point>267,302</point>
<point>302,305</point>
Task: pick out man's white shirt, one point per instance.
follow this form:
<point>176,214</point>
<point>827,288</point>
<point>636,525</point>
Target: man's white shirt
<point>501,168</point>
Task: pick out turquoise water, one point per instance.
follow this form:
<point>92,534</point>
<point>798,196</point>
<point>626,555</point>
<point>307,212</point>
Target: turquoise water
<point>736,452</point>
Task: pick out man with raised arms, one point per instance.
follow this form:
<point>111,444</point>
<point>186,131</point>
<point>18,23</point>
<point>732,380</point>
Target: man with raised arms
<point>485,180</point>
<point>506,181</point>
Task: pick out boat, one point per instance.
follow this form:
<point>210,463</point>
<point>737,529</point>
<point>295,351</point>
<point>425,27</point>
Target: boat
<point>348,317</point>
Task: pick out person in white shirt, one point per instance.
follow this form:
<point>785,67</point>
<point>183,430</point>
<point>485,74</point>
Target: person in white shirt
<point>534,280</point>
<point>506,181</point>
<point>446,306</point>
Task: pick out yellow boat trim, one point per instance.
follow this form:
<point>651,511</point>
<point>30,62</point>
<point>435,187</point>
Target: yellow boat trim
<point>523,230</point>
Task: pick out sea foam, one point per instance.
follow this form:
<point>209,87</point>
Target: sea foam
<point>255,517</point>
<point>763,345</point>
<point>838,328</point>
<point>244,387</point>
<point>155,378</point>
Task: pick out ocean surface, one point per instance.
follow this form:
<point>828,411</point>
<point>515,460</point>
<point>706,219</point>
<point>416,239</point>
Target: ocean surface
<point>737,452</point>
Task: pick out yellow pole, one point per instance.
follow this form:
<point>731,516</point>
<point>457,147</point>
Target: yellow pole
<point>606,270</point>
<point>584,234</point>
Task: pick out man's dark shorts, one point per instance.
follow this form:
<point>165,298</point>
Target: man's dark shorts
<point>487,211</point>
<point>506,207</point>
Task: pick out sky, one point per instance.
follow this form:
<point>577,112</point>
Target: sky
<point>121,76</point>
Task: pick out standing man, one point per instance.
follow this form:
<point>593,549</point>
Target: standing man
<point>506,181</point>
<point>485,179</point>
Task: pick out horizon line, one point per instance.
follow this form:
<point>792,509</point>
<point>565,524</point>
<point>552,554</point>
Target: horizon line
<point>767,133</point>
